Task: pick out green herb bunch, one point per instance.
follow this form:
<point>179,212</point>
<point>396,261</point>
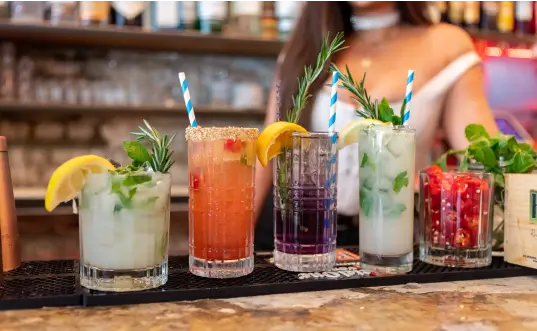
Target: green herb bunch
<point>370,109</point>
<point>301,99</point>
<point>159,158</point>
<point>498,155</point>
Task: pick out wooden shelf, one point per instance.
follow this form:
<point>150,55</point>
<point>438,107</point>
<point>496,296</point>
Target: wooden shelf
<point>17,107</point>
<point>138,39</point>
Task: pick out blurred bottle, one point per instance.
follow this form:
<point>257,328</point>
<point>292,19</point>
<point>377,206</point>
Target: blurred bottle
<point>27,11</point>
<point>471,14</point>
<point>489,15</point>
<point>7,71</point>
<point>269,23</point>
<point>443,10</point>
<point>244,18</point>
<point>524,17</point>
<point>506,19</point>
<point>286,14</point>
<point>173,15</point>
<point>63,12</point>
<point>456,12</point>
<point>128,13</point>
<point>165,15</point>
<point>94,13</point>
<point>434,9</point>
<point>5,11</point>
<point>211,16</point>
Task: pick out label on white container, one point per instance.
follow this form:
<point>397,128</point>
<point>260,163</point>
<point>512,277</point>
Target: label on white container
<point>247,8</point>
<point>166,14</point>
<point>129,9</point>
<point>212,10</point>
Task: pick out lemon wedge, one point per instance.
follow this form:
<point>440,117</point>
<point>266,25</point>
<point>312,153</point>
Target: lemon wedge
<point>350,133</point>
<point>69,178</point>
<point>273,138</point>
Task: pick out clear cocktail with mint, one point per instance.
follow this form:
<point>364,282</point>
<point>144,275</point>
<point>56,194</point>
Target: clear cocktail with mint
<point>386,194</point>
<point>124,213</point>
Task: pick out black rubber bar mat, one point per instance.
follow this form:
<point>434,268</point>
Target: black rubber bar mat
<point>55,283</point>
<point>41,284</point>
<point>267,279</point>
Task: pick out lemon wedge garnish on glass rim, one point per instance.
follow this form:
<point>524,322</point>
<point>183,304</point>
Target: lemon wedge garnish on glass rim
<point>69,178</point>
<point>350,133</point>
<point>273,138</point>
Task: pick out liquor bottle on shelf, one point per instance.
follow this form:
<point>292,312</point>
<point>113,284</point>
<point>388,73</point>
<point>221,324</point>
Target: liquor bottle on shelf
<point>506,13</point>
<point>489,15</point>
<point>524,17</point>
<point>27,11</point>
<point>443,9</point>
<point>456,12</point>
<point>471,14</point>
<point>63,12</point>
<point>128,13</point>
<point>165,15</point>
<point>211,16</point>
<point>286,13</point>
<point>187,15</point>
<point>269,23</point>
<point>244,18</point>
<point>94,12</point>
<point>4,10</point>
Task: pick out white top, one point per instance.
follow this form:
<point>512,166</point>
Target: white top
<point>426,113</point>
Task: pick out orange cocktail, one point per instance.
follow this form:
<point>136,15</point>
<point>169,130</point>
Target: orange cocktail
<point>221,165</point>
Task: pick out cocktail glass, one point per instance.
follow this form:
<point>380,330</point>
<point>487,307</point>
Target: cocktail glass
<point>386,195</point>
<point>221,165</point>
<point>455,218</point>
<point>305,179</point>
<point>124,229</point>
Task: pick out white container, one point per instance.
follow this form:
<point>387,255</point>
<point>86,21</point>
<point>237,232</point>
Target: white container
<point>520,246</point>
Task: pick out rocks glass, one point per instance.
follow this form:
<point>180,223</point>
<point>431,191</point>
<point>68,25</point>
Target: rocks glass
<point>455,218</point>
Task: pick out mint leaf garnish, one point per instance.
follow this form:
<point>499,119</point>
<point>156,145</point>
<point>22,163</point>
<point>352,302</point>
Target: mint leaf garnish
<point>385,112</point>
<point>400,181</point>
<point>135,179</point>
<point>136,151</point>
<point>366,162</point>
<point>366,200</point>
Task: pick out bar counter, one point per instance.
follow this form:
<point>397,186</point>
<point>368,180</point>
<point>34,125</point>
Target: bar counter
<point>479,305</point>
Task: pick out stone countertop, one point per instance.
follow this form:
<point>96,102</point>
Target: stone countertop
<point>480,305</point>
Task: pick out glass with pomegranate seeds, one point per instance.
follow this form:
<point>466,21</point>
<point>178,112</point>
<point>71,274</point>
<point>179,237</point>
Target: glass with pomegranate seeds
<point>455,218</point>
<point>221,165</point>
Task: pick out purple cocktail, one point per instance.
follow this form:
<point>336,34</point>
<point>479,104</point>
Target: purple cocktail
<point>305,204</point>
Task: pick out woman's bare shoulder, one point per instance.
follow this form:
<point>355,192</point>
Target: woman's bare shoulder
<point>448,41</point>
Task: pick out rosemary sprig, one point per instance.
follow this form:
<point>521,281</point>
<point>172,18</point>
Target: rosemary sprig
<point>160,158</point>
<point>370,109</point>
<point>301,99</point>
<point>359,93</point>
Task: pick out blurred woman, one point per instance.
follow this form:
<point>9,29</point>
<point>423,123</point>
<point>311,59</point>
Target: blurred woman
<point>384,39</point>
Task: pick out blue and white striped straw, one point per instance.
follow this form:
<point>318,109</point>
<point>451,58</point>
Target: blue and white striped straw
<point>408,96</point>
<point>332,131</point>
<point>188,101</point>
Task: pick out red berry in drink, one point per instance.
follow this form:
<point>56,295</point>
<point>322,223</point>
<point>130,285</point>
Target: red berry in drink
<point>233,145</point>
<point>462,238</point>
<point>194,181</point>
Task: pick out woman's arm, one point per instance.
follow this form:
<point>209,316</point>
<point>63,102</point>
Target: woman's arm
<point>263,176</point>
<point>465,104</point>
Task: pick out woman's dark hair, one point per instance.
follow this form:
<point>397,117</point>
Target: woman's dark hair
<point>319,18</point>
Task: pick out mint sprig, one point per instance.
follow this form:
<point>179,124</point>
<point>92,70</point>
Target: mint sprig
<point>160,158</point>
<point>498,155</point>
